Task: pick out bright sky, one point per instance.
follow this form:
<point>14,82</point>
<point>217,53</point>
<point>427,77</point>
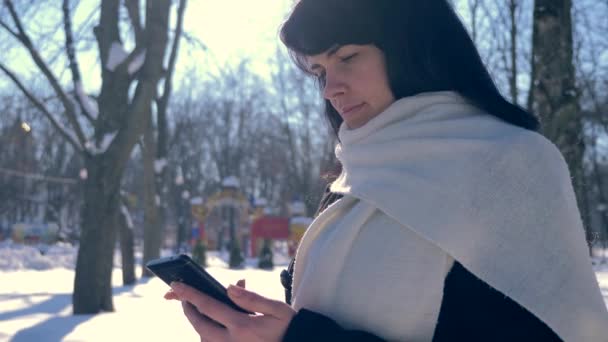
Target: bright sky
<point>235,29</point>
<point>231,29</point>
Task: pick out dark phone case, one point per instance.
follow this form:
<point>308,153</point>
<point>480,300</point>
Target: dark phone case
<point>183,269</point>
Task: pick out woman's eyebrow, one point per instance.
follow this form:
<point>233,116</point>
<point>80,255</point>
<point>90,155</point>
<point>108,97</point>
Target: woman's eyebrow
<point>330,52</point>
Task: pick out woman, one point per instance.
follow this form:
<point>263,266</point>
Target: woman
<point>452,218</point>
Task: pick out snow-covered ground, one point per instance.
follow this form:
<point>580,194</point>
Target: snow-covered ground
<point>35,299</point>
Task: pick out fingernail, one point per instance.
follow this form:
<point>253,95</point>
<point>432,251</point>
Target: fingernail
<point>236,290</point>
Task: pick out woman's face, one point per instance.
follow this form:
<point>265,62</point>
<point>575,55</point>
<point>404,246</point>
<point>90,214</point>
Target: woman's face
<point>355,81</point>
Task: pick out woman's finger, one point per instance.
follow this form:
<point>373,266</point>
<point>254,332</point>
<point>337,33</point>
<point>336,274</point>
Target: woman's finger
<point>256,303</point>
<point>241,283</point>
<point>206,328</point>
<point>170,295</point>
<point>208,306</point>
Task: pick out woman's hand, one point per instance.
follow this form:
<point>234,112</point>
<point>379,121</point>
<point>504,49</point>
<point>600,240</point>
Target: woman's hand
<point>204,313</point>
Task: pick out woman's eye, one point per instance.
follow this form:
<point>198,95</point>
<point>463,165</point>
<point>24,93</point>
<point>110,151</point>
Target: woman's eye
<point>348,58</point>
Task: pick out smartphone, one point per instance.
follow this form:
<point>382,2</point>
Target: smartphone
<point>183,269</point>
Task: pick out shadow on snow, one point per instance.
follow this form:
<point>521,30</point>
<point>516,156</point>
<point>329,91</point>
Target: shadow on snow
<point>54,328</point>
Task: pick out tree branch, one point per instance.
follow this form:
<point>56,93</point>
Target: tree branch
<point>134,14</point>
<point>73,63</point>
<point>27,43</point>
<point>163,102</point>
<point>10,30</point>
<point>174,50</point>
<point>62,130</point>
<point>157,17</point>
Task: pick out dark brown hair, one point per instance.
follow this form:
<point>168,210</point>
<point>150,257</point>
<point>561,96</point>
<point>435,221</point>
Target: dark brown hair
<point>426,47</point>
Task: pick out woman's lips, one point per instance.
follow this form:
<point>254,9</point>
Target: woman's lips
<point>349,110</point>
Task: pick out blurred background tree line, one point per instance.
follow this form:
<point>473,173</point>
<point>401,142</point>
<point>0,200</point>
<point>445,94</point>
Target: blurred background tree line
<point>119,162</point>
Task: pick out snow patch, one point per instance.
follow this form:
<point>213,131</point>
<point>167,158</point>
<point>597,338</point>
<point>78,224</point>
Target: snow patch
<point>84,174</point>
<point>260,202</point>
<point>301,220</point>
<point>231,181</point>
<point>103,147</point>
<point>137,62</point>
<point>297,208</point>
<point>127,215</point>
<point>40,257</point>
<point>159,165</point>
<point>196,201</point>
<point>116,56</point>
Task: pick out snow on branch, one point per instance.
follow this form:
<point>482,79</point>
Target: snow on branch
<point>159,165</point>
<point>102,147</point>
<point>125,213</point>
<point>116,56</point>
<point>137,62</point>
<point>89,105</point>
<point>82,102</point>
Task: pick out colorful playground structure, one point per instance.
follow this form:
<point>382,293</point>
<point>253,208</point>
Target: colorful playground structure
<point>229,212</point>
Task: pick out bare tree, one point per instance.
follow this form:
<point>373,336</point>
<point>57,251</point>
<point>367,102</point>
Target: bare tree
<point>217,120</point>
<point>513,34</point>
<point>270,134</point>
<point>306,135</point>
<point>590,43</point>
<point>38,169</point>
<point>554,93</point>
<point>117,122</point>
<point>127,253</point>
<point>155,154</point>
<point>501,30</point>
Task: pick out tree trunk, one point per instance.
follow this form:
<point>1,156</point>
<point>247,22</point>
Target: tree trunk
<point>554,95</point>
<point>92,284</point>
<point>152,227</point>
<point>162,126</point>
<point>127,117</point>
<point>126,249</point>
<point>513,4</point>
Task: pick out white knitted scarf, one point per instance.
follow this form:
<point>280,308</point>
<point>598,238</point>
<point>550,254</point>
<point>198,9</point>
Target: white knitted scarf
<point>495,197</point>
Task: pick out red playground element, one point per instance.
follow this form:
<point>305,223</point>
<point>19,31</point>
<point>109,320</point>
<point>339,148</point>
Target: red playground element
<point>268,227</point>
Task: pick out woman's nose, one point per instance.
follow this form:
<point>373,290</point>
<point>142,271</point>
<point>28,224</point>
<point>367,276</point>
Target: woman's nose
<point>334,86</point>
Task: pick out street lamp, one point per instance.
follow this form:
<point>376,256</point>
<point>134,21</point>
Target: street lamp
<point>26,127</point>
